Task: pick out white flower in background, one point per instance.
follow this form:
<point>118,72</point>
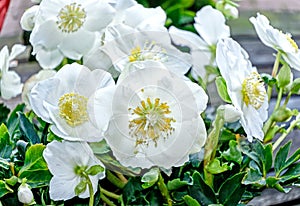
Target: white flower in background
<point>231,113</point>
<point>66,161</point>
<point>28,18</point>
<point>68,28</point>
<point>10,81</point>
<point>66,101</point>
<point>277,40</point>
<point>244,85</point>
<point>32,81</point>
<point>156,119</point>
<point>129,14</point>
<point>25,194</point>
<point>133,48</point>
<point>210,25</point>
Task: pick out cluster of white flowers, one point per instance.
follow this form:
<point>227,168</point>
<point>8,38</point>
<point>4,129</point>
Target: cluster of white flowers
<point>150,116</point>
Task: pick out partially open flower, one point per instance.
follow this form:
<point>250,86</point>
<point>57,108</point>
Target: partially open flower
<point>70,163</point>
<point>64,101</point>
<point>244,86</point>
<point>277,40</point>
<point>25,194</point>
<point>156,119</point>
<point>10,81</point>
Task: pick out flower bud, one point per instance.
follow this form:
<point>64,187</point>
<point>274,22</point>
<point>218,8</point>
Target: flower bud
<point>28,19</point>
<point>282,114</point>
<point>231,114</point>
<point>25,194</point>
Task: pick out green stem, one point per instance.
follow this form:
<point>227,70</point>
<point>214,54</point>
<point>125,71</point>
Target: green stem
<point>287,99</point>
<point>91,190</point>
<point>279,97</point>
<point>274,73</point>
<point>110,194</point>
<point>114,180</point>
<point>164,190</point>
<point>106,200</point>
<point>284,135</point>
<point>121,177</point>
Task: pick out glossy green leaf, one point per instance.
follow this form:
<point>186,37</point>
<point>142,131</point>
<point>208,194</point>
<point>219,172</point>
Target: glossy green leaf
<point>81,187</point>
<point>4,189</point>
<point>231,190</point>
<point>35,168</point>
<point>233,153</point>
<point>13,120</point>
<point>190,201</point>
<point>284,76</point>
<point>295,89</point>
<point>4,111</point>
<point>215,167</point>
<point>222,89</point>
<point>27,129</point>
<point>94,170</point>
<point>200,191</point>
<point>150,178</point>
<point>5,143</point>
<point>293,172</point>
<point>281,156</point>
<point>176,184</point>
<point>254,177</point>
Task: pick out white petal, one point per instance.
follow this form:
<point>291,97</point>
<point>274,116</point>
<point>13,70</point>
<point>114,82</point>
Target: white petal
<point>293,59</point>
<point>16,50</point>
<point>10,85</point>
<point>48,59</point>
<point>62,189</point>
<point>28,18</point>
<point>210,24</point>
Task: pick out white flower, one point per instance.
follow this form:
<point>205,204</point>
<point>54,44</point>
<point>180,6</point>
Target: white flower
<point>156,119</point>
<point>210,25</point>
<point>231,113</point>
<point>25,194</point>
<point>28,18</point>
<point>66,160</point>
<point>244,85</point>
<point>68,28</point>
<point>133,48</point>
<point>64,101</point>
<point>10,81</point>
<point>277,40</point>
<point>32,81</point>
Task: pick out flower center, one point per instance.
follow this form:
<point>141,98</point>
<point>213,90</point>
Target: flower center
<point>253,90</point>
<point>150,122</point>
<point>292,42</point>
<point>73,109</point>
<point>150,51</point>
<point>71,17</point>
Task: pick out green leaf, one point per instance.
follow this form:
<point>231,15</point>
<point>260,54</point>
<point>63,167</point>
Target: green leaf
<point>4,111</point>
<point>200,191</point>
<point>150,178</point>
<point>4,189</point>
<point>35,168</point>
<point>94,170</point>
<point>233,153</point>
<point>100,147</point>
<point>5,143</point>
<point>81,187</point>
<point>222,89</point>
<point>280,159</point>
<point>215,167</point>
<point>284,76</point>
<point>271,181</point>
<point>27,129</point>
<point>231,191</point>
<point>293,158</point>
<point>176,184</point>
<point>268,79</point>
<point>295,89</point>
<point>190,201</point>
<point>13,120</point>
<point>293,172</point>
<point>254,177</point>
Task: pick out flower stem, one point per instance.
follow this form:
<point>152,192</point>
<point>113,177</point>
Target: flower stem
<point>284,135</point>
<point>279,97</point>
<point>91,190</point>
<point>110,194</point>
<point>114,180</point>
<point>121,177</point>
<point>287,99</point>
<point>164,190</point>
<point>274,73</point>
<point>106,200</point>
